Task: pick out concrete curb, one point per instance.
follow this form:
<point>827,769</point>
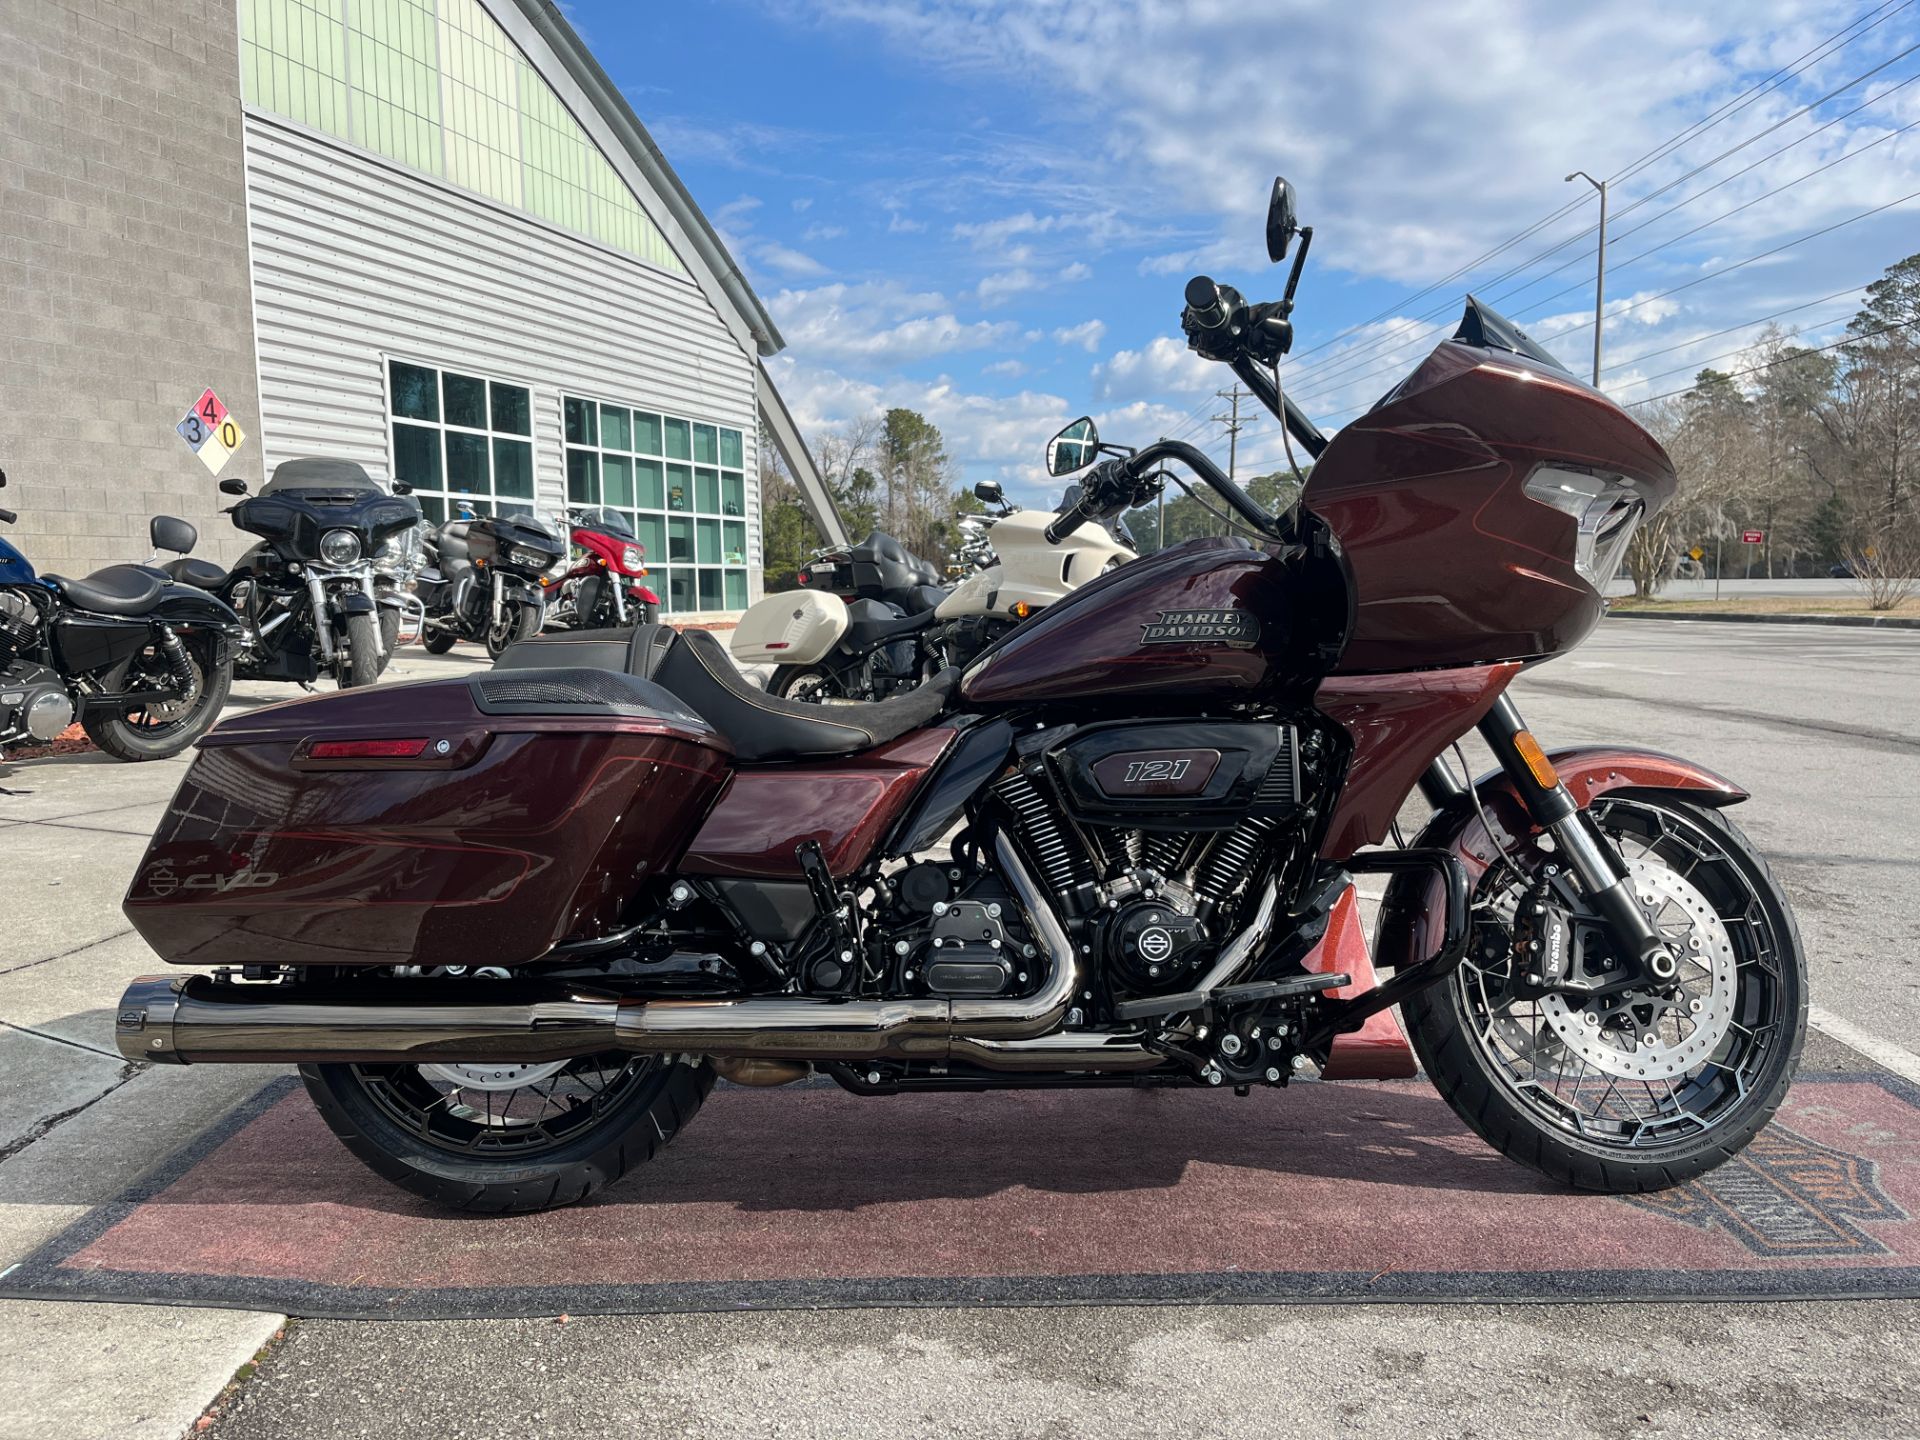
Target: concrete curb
<point>1860,622</point>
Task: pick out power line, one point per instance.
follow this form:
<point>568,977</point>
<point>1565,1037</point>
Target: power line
<point>1782,360</point>
<point>1743,325</point>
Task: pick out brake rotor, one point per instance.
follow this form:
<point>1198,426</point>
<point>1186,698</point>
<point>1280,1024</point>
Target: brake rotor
<point>494,1078</point>
<point>1657,1034</point>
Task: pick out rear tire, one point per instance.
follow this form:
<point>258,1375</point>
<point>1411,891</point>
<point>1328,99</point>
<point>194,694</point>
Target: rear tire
<point>151,736</point>
<point>361,665</point>
<point>1711,1110</point>
<point>366,1107</point>
<point>439,642</point>
<point>812,684</point>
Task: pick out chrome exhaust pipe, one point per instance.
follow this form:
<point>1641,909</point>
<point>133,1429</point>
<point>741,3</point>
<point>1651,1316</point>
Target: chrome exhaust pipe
<point>195,1020</point>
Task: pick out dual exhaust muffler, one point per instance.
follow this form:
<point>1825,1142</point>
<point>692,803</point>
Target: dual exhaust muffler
<point>197,1020</point>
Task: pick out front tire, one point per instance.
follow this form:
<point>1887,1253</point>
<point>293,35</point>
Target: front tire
<point>520,622</point>
<point>502,1152</point>
<point>439,642</point>
<point>361,664</point>
<point>1508,1071</point>
<point>160,731</point>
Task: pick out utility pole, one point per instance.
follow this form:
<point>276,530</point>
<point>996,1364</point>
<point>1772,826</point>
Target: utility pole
<point>1232,422</point>
<point>1600,276</point>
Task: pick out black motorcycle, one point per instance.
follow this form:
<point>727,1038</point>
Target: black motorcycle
<point>143,661</point>
<point>313,600</point>
<point>891,595</point>
<point>482,581</point>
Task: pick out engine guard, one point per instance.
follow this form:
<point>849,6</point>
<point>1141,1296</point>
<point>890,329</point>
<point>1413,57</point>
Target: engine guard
<point>1413,914</point>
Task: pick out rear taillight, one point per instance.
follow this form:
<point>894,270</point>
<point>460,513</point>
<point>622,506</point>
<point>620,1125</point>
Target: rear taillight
<point>367,749</point>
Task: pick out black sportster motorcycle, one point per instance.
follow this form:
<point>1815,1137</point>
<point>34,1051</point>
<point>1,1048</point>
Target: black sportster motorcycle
<point>144,663</point>
<point>312,597</point>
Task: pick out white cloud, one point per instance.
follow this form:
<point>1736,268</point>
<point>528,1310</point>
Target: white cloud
<point>1012,369</point>
<point>801,204</point>
<point>898,224</point>
<point>880,323</point>
<point>786,260</point>
<point>1163,366</point>
<point>814,233</point>
<point>1087,334</point>
<point>1003,285</point>
<point>1077,271</point>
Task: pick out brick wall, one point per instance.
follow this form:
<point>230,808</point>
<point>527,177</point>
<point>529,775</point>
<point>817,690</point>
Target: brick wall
<point>123,271</point>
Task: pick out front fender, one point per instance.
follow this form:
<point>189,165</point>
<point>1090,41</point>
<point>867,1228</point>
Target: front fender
<point>1413,914</point>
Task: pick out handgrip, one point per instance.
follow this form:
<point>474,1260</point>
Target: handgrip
<point>7,517</point>
<point>1064,525</point>
<point>1204,303</point>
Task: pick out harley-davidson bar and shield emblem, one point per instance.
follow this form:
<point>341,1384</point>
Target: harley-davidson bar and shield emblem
<point>1202,627</point>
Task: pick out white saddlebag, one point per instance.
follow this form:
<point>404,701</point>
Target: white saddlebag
<point>796,627</point>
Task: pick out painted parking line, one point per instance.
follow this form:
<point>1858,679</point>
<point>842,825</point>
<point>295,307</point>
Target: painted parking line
<point>1897,1059</point>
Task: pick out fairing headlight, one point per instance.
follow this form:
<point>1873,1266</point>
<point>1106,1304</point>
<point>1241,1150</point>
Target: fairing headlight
<point>1606,510</point>
<point>527,558</point>
<point>340,548</point>
<point>632,557</point>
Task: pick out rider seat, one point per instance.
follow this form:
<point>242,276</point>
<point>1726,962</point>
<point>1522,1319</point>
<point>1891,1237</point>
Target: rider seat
<point>761,727</point>
<point>116,590</point>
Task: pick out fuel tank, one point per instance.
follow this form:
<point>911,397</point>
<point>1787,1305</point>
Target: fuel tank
<point>1204,621</point>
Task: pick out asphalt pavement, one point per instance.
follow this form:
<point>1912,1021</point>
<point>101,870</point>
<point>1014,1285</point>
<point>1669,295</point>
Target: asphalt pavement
<point>1819,723</point>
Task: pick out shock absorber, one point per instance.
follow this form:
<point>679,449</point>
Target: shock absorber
<point>178,663</point>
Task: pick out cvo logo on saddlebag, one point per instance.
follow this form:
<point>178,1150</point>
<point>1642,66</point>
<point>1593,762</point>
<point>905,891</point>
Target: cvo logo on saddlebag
<point>162,880</point>
<point>1202,627</point>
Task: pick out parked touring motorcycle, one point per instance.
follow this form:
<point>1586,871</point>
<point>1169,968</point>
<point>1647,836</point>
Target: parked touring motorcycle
<point>603,590</point>
<point>483,581</point>
<point>144,663</point>
<point>313,598</point>
<point>1119,848</point>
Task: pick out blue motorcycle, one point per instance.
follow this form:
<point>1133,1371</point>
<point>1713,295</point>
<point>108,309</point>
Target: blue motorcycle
<point>142,661</point>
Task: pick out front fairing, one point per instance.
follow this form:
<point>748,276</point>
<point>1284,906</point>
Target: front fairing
<point>293,520</point>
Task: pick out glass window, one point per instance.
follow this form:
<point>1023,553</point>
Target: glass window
<point>460,438</point>
<point>678,484</point>
<point>415,391</point>
<point>466,400</point>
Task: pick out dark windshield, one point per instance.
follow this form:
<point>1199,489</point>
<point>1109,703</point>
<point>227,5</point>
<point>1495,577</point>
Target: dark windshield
<point>608,522</point>
<point>1486,328</point>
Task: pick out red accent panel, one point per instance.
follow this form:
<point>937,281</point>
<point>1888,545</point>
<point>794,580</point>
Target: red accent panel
<point>1398,724</point>
<point>1378,1050</point>
<point>847,805</point>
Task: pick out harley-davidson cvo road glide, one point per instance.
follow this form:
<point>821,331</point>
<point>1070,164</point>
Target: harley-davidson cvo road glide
<point>1119,849</point>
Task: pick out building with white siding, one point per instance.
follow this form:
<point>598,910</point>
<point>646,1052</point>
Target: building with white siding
<point>429,236</point>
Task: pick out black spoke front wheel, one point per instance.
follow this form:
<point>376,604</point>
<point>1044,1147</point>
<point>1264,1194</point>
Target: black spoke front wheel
<point>1646,1086</point>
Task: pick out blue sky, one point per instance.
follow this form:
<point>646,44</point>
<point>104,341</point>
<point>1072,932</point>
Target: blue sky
<point>986,211</point>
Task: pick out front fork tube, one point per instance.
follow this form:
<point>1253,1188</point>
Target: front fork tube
<point>1602,874</point>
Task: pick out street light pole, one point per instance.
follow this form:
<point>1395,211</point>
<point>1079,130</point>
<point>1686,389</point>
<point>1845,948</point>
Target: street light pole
<point>1600,277</point>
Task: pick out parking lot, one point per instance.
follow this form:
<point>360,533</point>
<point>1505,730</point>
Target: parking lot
<point>1818,722</point>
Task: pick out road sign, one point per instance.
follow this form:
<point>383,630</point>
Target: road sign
<point>1753,537</point>
<point>210,431</point>
<point>1696,553</point>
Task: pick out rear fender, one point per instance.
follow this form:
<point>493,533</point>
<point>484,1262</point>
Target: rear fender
<point>1413,914</point>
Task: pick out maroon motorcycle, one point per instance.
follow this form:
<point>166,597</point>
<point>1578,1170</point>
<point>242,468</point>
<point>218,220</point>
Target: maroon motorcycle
<point>512,926</point>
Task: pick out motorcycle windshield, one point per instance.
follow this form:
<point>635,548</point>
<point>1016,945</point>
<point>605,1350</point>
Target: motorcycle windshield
<point>1487,329</point>
<point>607,522</point>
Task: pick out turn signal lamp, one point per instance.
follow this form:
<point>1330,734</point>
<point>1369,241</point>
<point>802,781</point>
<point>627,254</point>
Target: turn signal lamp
<point>1021,609</point>
<point>1538,765</point>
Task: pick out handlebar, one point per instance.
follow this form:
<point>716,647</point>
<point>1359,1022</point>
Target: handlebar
<point>7,517</point>
<point>1205,303</point>
<point>1062,526</point>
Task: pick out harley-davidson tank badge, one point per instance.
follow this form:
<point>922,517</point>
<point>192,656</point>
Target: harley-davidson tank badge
<point>1235,628</point>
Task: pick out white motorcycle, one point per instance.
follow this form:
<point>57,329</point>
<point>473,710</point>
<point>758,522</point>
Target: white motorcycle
<point>865,624</point>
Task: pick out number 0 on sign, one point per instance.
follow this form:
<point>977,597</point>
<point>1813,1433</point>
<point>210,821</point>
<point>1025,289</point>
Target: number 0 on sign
<point>210,431</point>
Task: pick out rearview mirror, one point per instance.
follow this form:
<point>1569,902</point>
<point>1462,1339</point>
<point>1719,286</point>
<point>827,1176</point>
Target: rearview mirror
<point>234,486</point>
<point>988,491</point>
<point>3,479</point>
<point>401,487</point>
<point>1073,448</point>
<point>1282,225</point>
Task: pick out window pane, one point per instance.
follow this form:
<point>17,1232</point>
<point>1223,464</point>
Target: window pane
<point>616,476</point>
<point>466,400</point>
<point>616,428</point>
<point>416,456</point>
<point>583,477</point>
<point>736,589</point>
<point>467,463</point>
<point>733,493</point>
<point>679,488</point>
<point>433,508</point>
<point>512,411</point>
<point>513,469</point>
<point>708,533</point>
<point>730,448</point>
<point>416,391</point>
<point>679,443</point>
<point>680,593</point>
<point>709,589</point>
<point>706,491</point>
<point>581,429</point>
<point>679,538</point>
<point>651,532</point>
<point>649,490</point>
<point>646,433</point>
<point>734,542</point>
<point>705,448</point>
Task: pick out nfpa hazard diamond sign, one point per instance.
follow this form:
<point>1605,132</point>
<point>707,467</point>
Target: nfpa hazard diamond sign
<point>210,432</point>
